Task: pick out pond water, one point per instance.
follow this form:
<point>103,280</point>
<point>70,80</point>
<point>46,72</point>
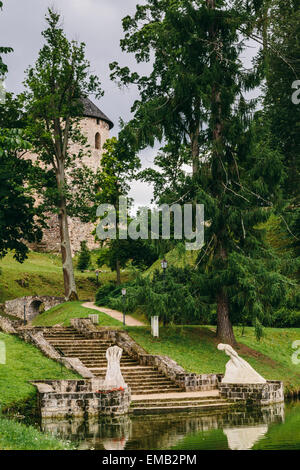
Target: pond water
<point>272,427</point>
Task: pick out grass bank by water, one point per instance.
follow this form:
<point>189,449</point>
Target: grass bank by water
<point>18,436</point>
<point>24,363</point>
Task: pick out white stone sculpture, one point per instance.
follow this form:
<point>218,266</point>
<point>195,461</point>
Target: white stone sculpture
<point>244,438</point>
<point>114,378</point>
<point>238,371</point>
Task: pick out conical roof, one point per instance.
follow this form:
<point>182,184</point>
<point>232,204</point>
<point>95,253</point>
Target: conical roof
<point>91,110</point>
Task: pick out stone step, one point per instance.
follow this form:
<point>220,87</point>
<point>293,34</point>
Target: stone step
<point>87,349</point>
<point>181,397</point>
<point>178,408</point>
<point>96,364</point>
<point>126,371</point>
<point>80,342</point>
<point>148,382</point>
<point>153,389</point>
<point>182,403</point>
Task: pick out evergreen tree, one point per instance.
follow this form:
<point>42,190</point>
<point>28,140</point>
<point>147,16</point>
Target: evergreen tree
<point>199,80</point>
<point>84,258</point>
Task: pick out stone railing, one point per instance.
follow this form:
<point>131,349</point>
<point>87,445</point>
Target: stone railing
<point>68,398</point>
<point>185,380</point>
<point>254,394</point>
<point>7,326</point>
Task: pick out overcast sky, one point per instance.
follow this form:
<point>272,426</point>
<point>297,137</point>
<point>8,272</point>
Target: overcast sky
<point>95,22</point>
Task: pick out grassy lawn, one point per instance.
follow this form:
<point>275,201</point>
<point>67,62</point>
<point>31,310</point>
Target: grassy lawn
<point>194,348</point>
<point>41,274</point>
<point>17,436</point>
<point>62,314</point>
<point>25,362</point>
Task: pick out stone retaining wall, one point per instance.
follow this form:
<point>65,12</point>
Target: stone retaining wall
<point>67,398</point>
<point>72,363</point>
<point>254,394</point>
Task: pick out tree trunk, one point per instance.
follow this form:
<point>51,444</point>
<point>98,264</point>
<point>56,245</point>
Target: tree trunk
<point>224,327</point>
<point>66,253</point>
<point>118,269</point>
<point>195,152</point>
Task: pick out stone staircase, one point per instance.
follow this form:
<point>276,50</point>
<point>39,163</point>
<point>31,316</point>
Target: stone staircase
<point>178,402</point>
<point>141,379</point>
<point>152,392</point>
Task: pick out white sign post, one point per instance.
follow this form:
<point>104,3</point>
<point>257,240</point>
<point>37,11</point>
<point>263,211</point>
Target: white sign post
<point>155,326</point>
<point>95,318</point>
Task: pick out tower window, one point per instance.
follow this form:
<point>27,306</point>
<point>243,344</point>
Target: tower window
<point>97,141</point>
<point>98,121</point>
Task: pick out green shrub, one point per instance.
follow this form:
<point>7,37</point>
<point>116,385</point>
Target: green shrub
<point>84,257</point>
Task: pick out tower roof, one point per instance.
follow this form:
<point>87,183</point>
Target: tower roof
<point>91,110</point>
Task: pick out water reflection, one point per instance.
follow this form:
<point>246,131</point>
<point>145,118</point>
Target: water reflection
<point>241,429</point>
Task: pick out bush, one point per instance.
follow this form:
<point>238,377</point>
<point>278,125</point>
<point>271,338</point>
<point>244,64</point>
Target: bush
<point>84,257</point>
<point>285,318</point>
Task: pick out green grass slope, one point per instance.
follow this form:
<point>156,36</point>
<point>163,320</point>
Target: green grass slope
<point>62,314</point>
<point>41,274</point>
<point>24,363</point>
<point>194,348</point>
<point>175,258</point>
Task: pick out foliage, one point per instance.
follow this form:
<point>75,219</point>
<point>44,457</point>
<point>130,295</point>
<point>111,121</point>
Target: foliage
<point>118,165</point>
<point>84,258</point>
<point>140,252</point>
<point>3,50</point>
<point>18,221</point>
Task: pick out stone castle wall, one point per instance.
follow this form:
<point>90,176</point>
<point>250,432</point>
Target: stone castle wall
<point>79,231</point>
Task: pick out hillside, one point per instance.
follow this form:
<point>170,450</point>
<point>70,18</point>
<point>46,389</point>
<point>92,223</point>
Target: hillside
<point>41,274</point>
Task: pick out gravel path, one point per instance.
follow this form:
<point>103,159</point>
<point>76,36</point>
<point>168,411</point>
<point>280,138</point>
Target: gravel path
<point>130,321</point>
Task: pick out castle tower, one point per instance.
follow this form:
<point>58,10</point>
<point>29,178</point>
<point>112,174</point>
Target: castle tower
<point>95,126</point>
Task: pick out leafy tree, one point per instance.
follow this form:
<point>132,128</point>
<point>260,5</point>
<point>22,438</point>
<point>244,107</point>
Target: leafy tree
<point>118,165</point>
<point>196,93</point>
<point>55,87</point>
<point>18,224</point>
<point>84,258</point>
<point>140,252</point>
<point>17,217</point>
<point>3,50</point>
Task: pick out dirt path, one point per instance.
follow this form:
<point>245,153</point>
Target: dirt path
<point>130,321</point>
